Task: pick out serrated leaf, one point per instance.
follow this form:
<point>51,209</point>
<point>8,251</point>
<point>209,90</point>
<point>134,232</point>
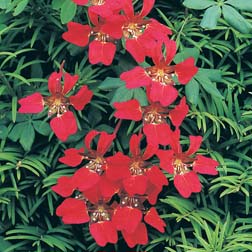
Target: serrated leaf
<point>192,91</point>
<point>210,17</point>
<point>68,11</point>
<point>244,5</point>
<point>236,20</point>
<point>27,137</point>
<point>110,83</point>
<point>198,4</point>
<point>20,7</point>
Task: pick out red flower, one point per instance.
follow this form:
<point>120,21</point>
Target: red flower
<point>154,116</point>
<point>102,47</point>
<point>186,165</point>
<point>64,187</point>
<point>140,34</point>
<point>160,76</point>
<point>64,124</point>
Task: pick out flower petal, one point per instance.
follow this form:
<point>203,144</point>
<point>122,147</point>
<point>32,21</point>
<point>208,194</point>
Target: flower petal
<point>147,7</point>
<point>165,94</point>
<point>77,34</point>
<point>186,70</point>
<point>195,142</point>
<point>64,126</point>
<point>54,83</point>
<point>153,219</point>
<point>103,232</point>
<point>80,2</point>
<point>136,49</point>
<point>64,187</point>
<point>103,52</point>
<point>104,143</point>
<point>166,160</point>
<point>72,157</point>
<point>83,97</point>
<point>187,183</point>
<point>89,138</point>
<point>134,144</point>
<point>129,110</point>
<point>31,103</point>
<point>69,82</point>
<point>73,211</point>
<point>156,177</point>
<point>135,184</point>
<point>137,77</point>
<point>205,165</point>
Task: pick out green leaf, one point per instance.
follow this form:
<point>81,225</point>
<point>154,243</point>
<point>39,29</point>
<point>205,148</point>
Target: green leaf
<point>4,244</point>
<point>122,94</point>
<point>17,131</point>
<point>236,20</point>
<point>56,4</point>
<point>3,132</point>
<point>27,137</point>
<point>14,108</point>
<point>212,74</point>
<point>192,91</point>
<point>4,4</point>
<point>198,4</point>
<point>209,86</point>
<point>20,7</point>
<point>186,53</point>
<point>245,5</point>
<point>210,17</point>
<point>68,11</point>
<point>42,127</point>
<point>140,95</point>
<point>110,83</point>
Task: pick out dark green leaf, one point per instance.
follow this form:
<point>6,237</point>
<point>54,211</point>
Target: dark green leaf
<point>110,83</point>
<point>235,19</point>
<point>3,132</point>
<point>27,136</point>
<point>17,131</point>
<point>192,91</point>
<point>210,17</point>
<point>42,127</point>
<point>198,4</point>
<point>140,95</point>
<point>122,94</point>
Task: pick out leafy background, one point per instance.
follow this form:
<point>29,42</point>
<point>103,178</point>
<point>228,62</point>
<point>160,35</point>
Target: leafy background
<point>31,47</point>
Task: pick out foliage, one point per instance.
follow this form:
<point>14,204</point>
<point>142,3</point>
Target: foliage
<point>218,34</point>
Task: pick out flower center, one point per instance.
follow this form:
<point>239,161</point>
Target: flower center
<point>153,117</point>
<point>134,30</point>
<point>102,37</point>
<point>134,202</point>
<point>58,104</point>
<point>97,2</point>
<point>162,75</point>
<point>137,168</point>
<point>180,167</point>
<point>97,165</point>
<point>100,214</point>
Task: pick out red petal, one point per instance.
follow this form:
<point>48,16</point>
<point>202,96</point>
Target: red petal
<point>127,218</point>
<point>73,211</point>
<point>156,177</point>
<point>137,77</point>
<point>129,110</point>
<point>186,70</point>
<point>72,157</point>
<point>152,194</point>
<point>101,10</point>
<point>83,97</point>
<point>171,47</point>
<point>147,6</point>
<point>134,144</point>
<point>69,82</point>
<point>149,151</point>
<point>174,141</point>
<point>195,142</point>
<point>135,184</point>
<point>85,179</point>
<point>165,94</point>
<point>80,2</point>
<point>187,183</point>
<point>77,34</point>
<point>205,165</point>
<point>64,126</point>
<point>108,188</point>
<point>118,167</point>
<point>136,49</point>
<point>140,236</point>
<point>89,137</point>
<point>154,220</point>
<point>103,232</point>
<point>103,52</point>
<point>157,133</point>
<point>31,104</point>
<point>178,114</point>
<point>105,142</point>
<point>166,160</point>
<point>54,83</point>
<point>128,8</point>
<point>64,186</point>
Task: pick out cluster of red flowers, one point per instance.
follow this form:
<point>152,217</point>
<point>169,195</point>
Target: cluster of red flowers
<point>117,192</point>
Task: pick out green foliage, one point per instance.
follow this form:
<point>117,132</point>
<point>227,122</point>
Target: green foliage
<point>31,47</point>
